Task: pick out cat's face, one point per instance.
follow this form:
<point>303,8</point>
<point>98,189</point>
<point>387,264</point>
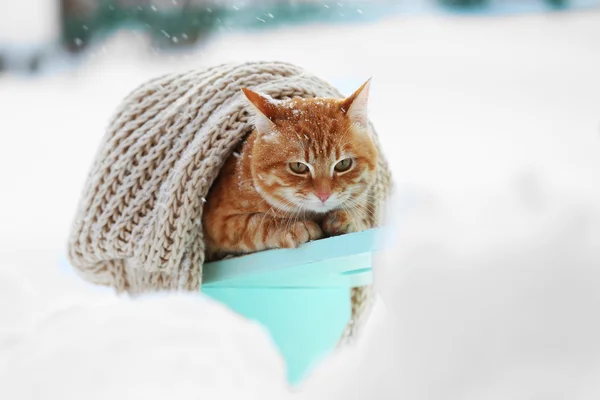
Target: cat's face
<point>312,154</point>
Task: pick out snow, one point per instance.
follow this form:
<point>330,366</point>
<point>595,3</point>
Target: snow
<point>17,314</point>
<point>153,348</point>
<point>491,127</point>
<point>475,314</point>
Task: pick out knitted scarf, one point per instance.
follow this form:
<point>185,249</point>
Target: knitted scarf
<point>138,226</point>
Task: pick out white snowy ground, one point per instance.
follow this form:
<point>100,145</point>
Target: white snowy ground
<point>492,128</point>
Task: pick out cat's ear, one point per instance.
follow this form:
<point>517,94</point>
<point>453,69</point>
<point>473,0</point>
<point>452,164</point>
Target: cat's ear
<point>264,108</point>
<point>355,106</point>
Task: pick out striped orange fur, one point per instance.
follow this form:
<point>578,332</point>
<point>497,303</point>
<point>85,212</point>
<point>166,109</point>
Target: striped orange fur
<point>302,174</point>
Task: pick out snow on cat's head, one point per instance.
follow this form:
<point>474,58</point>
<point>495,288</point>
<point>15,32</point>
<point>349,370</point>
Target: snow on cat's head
<point>314,154</point>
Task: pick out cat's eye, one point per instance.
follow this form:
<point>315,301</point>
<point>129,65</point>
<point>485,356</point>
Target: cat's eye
<point>299,168</point>
<point>343,165</point>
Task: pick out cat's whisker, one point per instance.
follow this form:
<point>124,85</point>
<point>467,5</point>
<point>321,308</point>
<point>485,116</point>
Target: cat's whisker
<point>356,213</point>
<point>294,218</point>
<point>277,207</point>
<point>355,206</point>
<point>362,205</point>
<point>364,213</point>
<point>262,220</point>
<point>366,198</point>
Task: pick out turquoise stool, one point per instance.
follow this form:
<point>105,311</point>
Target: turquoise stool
<point>301,296</point>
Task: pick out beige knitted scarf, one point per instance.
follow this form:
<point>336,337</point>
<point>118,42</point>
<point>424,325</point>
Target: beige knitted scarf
<point>138,225</point>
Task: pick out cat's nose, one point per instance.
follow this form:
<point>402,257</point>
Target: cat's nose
<point>323,196</point>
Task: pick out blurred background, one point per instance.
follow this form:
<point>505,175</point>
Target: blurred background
<point>40,35</point>
<point>489,113</point>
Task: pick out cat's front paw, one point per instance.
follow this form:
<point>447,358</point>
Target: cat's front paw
<point>339,222</point>
<point>300,232</point>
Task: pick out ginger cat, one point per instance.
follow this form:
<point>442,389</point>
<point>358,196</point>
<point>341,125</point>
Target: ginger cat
<point>303,173</point>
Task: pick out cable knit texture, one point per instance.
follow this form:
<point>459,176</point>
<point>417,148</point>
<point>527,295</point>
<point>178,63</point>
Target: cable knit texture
<point>138,225</point>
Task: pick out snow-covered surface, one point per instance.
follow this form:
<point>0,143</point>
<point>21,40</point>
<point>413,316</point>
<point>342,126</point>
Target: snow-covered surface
<point>474,315</point>
<point>492,130</point>
<point>155,348</point>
